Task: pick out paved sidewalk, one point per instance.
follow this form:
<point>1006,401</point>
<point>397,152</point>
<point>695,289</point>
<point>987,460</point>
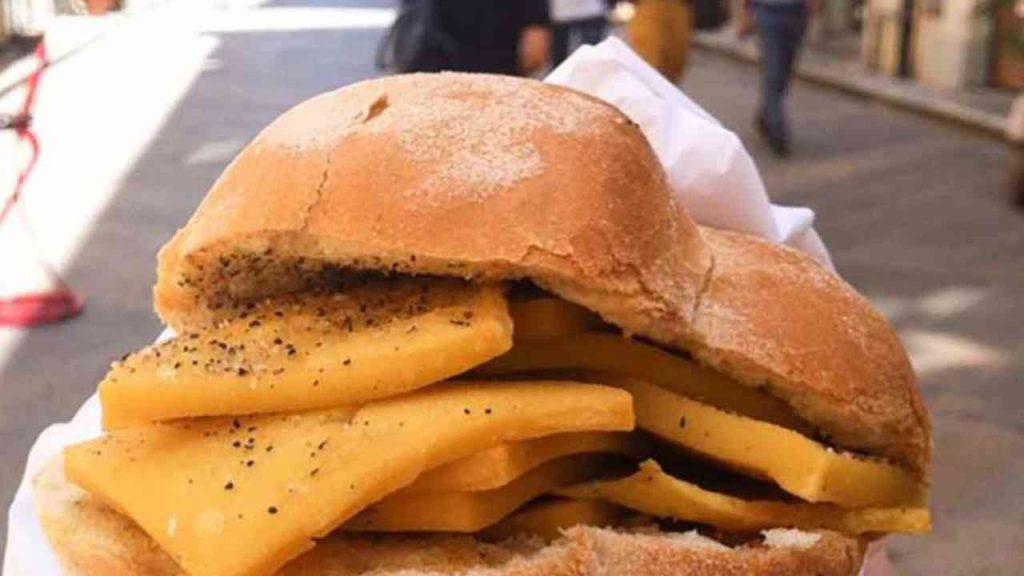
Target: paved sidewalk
<point>983,110</point>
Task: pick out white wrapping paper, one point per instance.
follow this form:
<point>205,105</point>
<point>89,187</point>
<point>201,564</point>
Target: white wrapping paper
<point>709,170</point>
<point>707,165</point>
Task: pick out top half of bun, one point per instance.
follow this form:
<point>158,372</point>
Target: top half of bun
<point>495,178</point>
<point>451,174</point>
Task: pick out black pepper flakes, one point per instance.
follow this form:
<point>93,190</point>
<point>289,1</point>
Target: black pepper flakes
<point>272,510</point>
<point>314,472</point>
<point>229,486</point>
<point>249,463</point>
<point>467,411</point>
<point>682,421</point>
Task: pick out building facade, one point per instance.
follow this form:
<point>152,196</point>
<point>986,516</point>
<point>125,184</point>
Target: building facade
<point>948,44</point>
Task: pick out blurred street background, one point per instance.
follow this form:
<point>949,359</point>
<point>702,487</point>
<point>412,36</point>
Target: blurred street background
<point>145,107</point>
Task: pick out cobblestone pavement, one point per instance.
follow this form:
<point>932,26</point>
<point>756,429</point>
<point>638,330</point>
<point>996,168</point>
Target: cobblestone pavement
<point>911,209</point>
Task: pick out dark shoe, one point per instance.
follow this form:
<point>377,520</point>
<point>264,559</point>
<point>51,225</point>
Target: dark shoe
<point>777,139</point>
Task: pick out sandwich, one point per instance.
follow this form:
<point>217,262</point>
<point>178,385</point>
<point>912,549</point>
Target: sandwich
<point>457,324</point>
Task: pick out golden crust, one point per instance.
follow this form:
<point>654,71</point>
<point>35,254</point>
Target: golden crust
<point>93,540</point>
<point>458,175</point>
<point>771,315</point>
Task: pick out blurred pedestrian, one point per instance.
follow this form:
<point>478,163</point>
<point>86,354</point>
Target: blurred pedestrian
<point>576,22</point>
<point>660,33</point>
<point>497,36</point>
<point>780,27</point>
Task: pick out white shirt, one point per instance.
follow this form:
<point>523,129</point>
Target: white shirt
<point>569,10</point>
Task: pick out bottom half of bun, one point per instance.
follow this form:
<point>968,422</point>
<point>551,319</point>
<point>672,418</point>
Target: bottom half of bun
<point>91,539</point>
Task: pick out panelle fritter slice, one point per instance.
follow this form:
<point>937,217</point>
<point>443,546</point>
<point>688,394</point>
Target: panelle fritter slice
<point>472,511</point>
<point>546,318</point>
<point>502,464</point>
<point>616,354</point>
<point>547,518</point>
<point>241,496</point>
<point>313,351</point>
<point>808,469</point>
<point>654,492</point>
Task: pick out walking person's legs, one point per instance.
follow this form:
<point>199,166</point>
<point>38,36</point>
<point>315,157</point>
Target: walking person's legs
<point>780,29</point>
<point>593,30</point>
<point>568,36</point>
<point>560,38</point>
<point>793,27</point>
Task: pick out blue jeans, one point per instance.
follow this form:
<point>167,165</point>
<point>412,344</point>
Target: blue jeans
<point>568,36</point>
<point>781,30</point>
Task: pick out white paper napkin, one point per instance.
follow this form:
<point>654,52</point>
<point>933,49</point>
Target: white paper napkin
<point>711,173</point>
